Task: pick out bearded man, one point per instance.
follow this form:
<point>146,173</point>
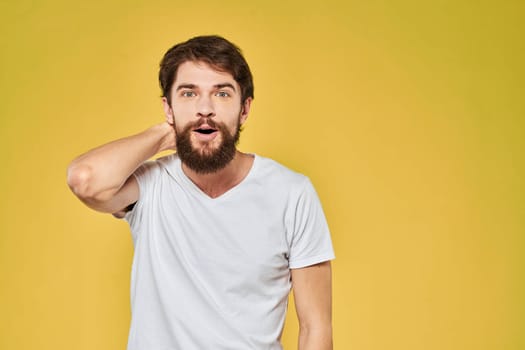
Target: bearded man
<point>220,236</point>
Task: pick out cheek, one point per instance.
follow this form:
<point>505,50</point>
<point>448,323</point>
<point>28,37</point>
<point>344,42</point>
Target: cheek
<point>228,113</point>
<point>182,113</point>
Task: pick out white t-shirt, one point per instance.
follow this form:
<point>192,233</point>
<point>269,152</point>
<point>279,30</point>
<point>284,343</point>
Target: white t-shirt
<point>215,273</point>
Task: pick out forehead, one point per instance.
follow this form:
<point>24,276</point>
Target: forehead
<point>202,75</point>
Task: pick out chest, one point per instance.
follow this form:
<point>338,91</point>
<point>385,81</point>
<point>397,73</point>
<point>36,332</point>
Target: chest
<point>241,240</point>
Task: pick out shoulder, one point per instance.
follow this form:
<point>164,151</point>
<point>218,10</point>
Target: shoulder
<point>151,177</point>
<point>162,165</point>
<point>276,179</point>
<point>272,170</point>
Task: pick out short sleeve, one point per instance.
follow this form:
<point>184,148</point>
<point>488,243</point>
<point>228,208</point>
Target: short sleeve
<point>310,241</point>
<point>145,176</point>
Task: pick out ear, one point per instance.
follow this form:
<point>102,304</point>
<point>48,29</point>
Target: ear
<point>168,111</point>
<point>245,109</point>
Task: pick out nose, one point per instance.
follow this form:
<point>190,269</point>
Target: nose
<point>205,107</point>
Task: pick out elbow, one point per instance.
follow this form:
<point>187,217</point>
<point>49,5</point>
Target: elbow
<point>82,181</point>
<point>324,330</point>
<point>318,337</point>
<point>79,178</point>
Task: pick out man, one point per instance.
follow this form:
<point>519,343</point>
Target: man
<point>220,236</point>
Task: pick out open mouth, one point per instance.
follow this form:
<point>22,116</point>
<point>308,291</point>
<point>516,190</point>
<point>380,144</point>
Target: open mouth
<point>205,131</point>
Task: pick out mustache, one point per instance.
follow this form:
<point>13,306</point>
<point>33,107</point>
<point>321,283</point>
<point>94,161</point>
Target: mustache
<point>205,120</point>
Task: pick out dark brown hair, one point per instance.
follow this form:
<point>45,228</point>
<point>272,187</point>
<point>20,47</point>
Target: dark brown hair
<point>214,50</point>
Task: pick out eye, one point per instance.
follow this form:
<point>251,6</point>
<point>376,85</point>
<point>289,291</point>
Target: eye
<point>222,94</point>
<point>188,94</point>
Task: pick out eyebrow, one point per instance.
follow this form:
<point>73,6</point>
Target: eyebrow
<point>216,86</point>
<point>186,86</point>
<point>223,85</point>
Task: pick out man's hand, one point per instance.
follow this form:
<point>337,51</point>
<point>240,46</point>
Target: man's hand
<point>168,141</point>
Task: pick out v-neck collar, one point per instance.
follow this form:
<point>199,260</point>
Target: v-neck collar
<point>178,168</point>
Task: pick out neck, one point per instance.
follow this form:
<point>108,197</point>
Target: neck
<point>219,182</point>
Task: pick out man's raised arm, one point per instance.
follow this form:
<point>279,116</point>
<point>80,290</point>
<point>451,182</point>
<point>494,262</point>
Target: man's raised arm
<point>101,178</point>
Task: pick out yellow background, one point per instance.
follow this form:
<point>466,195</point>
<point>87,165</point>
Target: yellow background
<point>408,116</point>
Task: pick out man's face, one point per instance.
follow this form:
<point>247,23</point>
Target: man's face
<point>206,112</point>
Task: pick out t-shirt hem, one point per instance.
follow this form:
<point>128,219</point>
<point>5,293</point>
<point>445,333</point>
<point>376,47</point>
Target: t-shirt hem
<point>297,264</point>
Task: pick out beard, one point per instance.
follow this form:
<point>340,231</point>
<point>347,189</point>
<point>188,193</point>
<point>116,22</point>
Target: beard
<point>207,159</point>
